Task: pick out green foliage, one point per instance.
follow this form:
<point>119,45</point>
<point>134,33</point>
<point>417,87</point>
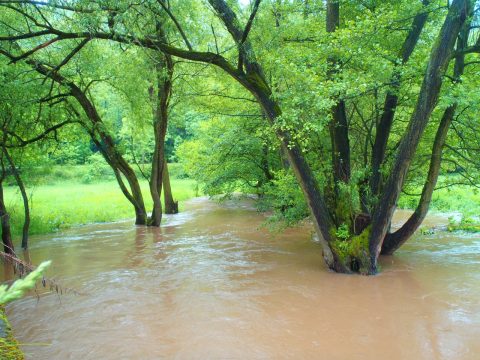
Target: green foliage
<point>462,199</point>
<point>343,232</point>
<point>225,157</point>
<point>468,224</point>
<point>21,286</point>
<point>98,170</point>
<point>285,197</point>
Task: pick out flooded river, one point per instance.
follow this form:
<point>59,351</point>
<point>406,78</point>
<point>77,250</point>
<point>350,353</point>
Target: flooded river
<point>213,284</point>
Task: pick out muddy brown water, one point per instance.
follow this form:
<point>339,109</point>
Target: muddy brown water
<point>212,284</point>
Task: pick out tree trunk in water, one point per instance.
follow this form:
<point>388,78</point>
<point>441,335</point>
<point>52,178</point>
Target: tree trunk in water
<point>394,240</point>
<point>171,206</point>
<point>439,60</point>
<point>155,189</point>
<point>5,219</point>
<point>23,192</point>
<point>254,81</point>
<point>164,72</point>
<point>321,217</point>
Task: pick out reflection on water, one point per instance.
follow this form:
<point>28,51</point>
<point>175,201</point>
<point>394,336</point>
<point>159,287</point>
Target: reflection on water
<point>212,284</point>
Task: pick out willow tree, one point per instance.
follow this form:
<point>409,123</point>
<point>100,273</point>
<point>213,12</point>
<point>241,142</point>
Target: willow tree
<point>346,246</point>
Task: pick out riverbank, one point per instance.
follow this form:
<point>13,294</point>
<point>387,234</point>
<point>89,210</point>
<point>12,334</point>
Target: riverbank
<point>9,347</point>
<point>71,195</point>
<point>63,205</point>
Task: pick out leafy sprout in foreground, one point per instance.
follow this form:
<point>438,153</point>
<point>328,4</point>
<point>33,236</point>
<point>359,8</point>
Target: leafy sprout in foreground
<point>21,286</point>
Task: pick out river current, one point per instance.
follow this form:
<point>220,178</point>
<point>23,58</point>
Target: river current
<point>213,283</point>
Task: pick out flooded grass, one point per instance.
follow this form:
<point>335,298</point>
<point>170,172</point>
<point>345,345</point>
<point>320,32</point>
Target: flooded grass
<point>60,206</point>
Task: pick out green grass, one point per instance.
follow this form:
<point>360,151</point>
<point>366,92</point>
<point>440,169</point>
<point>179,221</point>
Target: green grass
<point>456,199</point>
<point>62,205</point>
<point>460,199</point>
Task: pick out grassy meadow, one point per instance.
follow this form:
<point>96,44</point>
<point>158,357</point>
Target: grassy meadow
<point>68,196</point>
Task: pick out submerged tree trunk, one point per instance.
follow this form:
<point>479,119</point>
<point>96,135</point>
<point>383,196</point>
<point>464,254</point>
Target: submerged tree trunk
<point>439,59</point>
<point>23,192</point>
<point>164,75</point>
<point>171,206</point>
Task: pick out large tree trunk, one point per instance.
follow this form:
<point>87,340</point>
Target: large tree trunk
<point>254,81</point>
<point>23,192</point>
<point>394,240</point>
<point>171,206</point>
<point>391,101</point>
<point>439,59</point>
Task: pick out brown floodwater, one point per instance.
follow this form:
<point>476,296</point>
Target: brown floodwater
<point>213,284</point>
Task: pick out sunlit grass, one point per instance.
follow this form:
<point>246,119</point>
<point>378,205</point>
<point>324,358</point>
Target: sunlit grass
<point>63,205</point>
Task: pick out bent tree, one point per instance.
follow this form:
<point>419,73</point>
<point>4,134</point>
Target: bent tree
<point>347,246</point>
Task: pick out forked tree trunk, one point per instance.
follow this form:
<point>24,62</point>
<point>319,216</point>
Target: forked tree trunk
<point>439,59</point>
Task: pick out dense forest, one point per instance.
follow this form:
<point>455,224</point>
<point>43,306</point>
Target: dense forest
<point>327,110</point>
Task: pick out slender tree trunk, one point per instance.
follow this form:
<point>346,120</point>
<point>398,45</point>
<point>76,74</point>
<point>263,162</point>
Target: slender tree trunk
<point>155,190</point>
<point>254,81</point>
<point>439,60</point>
<point>339,124</point>
<point>171,206</point>
<point>23,192</point>
<point>104,142</point>
<point>5,220</point>
<point>321,217</point>
<point>394,240</point>
<point>164,73</point>
<point>391,101</point>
